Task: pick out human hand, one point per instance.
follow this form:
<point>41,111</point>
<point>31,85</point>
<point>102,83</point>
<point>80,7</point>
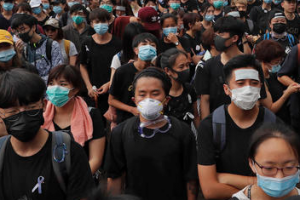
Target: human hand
<point>134,111</point>
<point>19,46</point>
<point>92,92</point>
<point>172,38</point>
<point>292,88</point>
<point>103,89</point>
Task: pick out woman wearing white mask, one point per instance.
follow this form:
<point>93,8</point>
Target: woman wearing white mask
<point>156,152</point>
<point>274,158</point>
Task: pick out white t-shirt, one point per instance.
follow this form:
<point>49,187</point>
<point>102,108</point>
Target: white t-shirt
<point>72,51</point>
<point>241,195</point>
<point>115,63</point>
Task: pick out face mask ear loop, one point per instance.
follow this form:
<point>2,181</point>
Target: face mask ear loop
<point>253,163</point>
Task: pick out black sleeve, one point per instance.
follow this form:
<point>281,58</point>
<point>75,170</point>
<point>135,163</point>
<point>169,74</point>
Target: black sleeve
<point>80,181</point>
<point>116,84</point>
<point>189,153</point>
<point>206,150</point>
<point>98,127</point>
<point>202,79</point>
<point>192,92</point>
<point>253,14</point>
<point>115,162</point>
<point>185,44</point>
<point>290,65</point>
<point>263,93</point>
<point>84,53</point>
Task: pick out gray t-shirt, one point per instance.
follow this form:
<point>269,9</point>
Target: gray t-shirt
<point>66,55</point>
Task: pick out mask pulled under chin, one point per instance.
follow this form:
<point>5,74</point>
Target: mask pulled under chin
<point>245,97</point>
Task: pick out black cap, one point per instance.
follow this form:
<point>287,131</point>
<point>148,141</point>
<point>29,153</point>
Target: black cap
<point>276,14</point>
<point>58,2</point>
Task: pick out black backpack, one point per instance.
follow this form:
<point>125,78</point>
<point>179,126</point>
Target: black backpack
<point>219,127</point>
<point>61,156</point>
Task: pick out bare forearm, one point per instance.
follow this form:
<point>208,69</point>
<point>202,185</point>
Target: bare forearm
<point>204,106</point>
<point>285,80</point>
<point>85,76</point>
<point>114,186</point>
<point>112,101</point>
<point>236,181</point>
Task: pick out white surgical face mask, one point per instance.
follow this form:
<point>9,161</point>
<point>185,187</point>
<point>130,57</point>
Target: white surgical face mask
<point>150,109</point>
<point>245,97</point>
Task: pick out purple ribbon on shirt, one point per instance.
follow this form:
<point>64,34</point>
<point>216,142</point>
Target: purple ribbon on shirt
<point>38,186</point>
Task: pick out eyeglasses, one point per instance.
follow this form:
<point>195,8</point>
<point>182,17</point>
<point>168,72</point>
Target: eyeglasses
<point>13,115</point>
<point>272,171</point>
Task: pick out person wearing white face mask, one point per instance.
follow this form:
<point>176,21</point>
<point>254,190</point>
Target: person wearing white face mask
<point>155,153</point>
<point>224,135</point>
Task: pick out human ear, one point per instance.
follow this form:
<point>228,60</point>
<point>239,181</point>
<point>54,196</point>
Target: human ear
<point>251,164</point>
<point>226,90</point>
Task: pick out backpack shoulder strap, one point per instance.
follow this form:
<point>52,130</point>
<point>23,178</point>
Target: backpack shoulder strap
<point>67,46</point>
<point>49,49</point>
<point>61,157</point>
<point>269,116</point>
<point>219,129</point>
<point>291,39</point>
<point>3,142</point>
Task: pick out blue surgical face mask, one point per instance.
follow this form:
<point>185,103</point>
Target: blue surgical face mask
<point>58,95</point>
<point>277,187</point>
<point>57,9</point>
<point>225,3</point>
<point>169,30</point>
<point>209,18</point>
<point>77,19</point>
<point>37,10</point>
<point>268,1</point>
<point>147,52</point>
<point>275,68</point>
<point>276,2</point>
<point>175,6</point>
<point>70,4</point>
<point>7,55</point>
<point>101,28</point>
<point>8,6</point>
<point>107,7</point>
<point>46,6</point>
<point>218,4</point>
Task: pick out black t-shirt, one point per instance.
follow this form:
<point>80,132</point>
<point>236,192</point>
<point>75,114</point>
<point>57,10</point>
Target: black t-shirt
<point>276,90</point>
<point>121,88</point>
<point>250,6</point>
<point>286,42</point>
<point>210,80</point>
<point>156,168</point>
<point>98,129</point>
<point>183,41</point>
<point>293,26</point>
<point>189,6</point>
<point>181,106</point>
<point>260,17</point>
<point>290,65</point>
<point>20,175</point>
<point>194,42</point>
<point>4,23</point>
<point>97,58</point>
<point>234,157</point>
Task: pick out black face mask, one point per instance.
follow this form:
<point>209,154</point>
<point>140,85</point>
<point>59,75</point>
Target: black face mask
<point>25,37</point>
<point>220,43</point>
<point>243,14</point>
<point>279,28</point>
<point>182,76</point>
<point>25,125</point>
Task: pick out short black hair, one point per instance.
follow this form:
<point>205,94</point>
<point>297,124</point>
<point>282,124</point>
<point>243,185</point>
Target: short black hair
<point>231,25</point>
<point>24,7</point>
<point>20,19</point>
<point>274,130</point>
<point>168,58</point>
<point>20,87</point>
<point>101,14</point>
<point>241,61</point>
<point>144,37</point>
<point>112,1</point>
<point>68,72</point>
<point>154,72</point>
<point>78,7</point>
<point>166,16</point>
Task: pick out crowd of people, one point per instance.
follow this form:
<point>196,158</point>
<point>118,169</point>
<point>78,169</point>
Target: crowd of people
<point>149,99</point>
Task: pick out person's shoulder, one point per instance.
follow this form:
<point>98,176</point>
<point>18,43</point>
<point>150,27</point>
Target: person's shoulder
<point>127,68</point>
<point>125,127</point>
<point>67,27</point>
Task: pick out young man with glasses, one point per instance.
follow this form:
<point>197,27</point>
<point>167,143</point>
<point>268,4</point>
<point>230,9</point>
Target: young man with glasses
<point>27,171</point>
